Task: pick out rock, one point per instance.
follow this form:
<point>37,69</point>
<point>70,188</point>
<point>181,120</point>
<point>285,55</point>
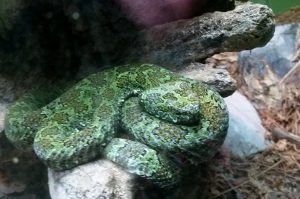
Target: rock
<point>246,135</point>
<point>100,179</point>
<point>2,113</point>
<point>3,107</point>
<point>185,41</point>
<point>97,33</point>
<point>218,78</point>
<point>6,97</point>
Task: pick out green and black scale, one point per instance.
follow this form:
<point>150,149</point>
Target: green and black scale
<point>167,116</point>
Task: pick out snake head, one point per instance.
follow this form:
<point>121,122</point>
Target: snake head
<point>173,102</point>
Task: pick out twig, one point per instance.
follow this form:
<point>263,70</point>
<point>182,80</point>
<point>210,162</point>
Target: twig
<point>281,134</point>
<point>292,72</point>
<point>247,181</point>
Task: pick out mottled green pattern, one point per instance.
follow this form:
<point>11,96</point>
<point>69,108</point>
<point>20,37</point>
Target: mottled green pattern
<point>168,118</point>
<point>139,159</point>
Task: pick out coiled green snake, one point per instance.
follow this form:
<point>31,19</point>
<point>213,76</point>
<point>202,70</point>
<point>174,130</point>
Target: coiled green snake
<point>143,117</point>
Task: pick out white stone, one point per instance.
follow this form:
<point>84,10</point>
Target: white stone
<point>246,135</point>
<point>101,179</point>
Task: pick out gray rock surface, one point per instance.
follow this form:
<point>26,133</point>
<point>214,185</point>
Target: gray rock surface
<point>6,96</point>
<point>184,41</point>
<point>97,33</point>
<point>100,179</point>
<point>246,135</point>
<point>3,107</point>
<point>218,78</point>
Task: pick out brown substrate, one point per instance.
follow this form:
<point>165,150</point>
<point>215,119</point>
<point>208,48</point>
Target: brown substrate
<point>291,16</point>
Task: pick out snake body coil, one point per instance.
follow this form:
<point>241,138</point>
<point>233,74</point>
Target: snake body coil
<point>166,117</point>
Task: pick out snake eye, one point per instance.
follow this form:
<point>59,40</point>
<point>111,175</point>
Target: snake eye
<point>144,152</point>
